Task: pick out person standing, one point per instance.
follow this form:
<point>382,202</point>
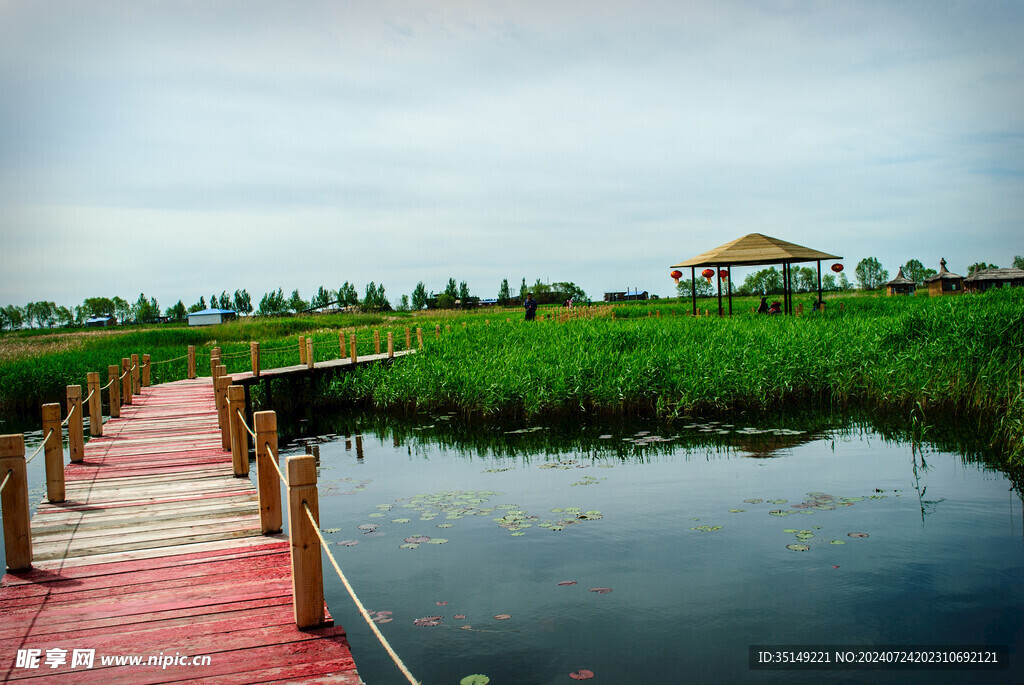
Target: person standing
<point>530,305</point>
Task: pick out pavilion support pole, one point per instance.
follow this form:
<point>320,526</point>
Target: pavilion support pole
<point>729,285</point>
<point>819,286</point>
<point>718,278</point>
<point>693,287</point>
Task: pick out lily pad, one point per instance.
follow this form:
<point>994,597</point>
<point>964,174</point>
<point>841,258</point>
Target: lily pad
<point>437,541</point>
<point>443,525</point>
<point>417,538</point>
<point>736,511</point>
<point>475,679</point>
<point>858,535</point>
<point>503,617</point>
<point>459,617</point>
<point>400,520</point>
<point>347,543</point>
<point>566,583</point>
<point>601,590</point>
<point>798,548</point>
<point>753,501</point>
<point>368,526</point>
<point>836,542</point>
<point>330,530</point>
<point>790,530</point>
<point>409,545</point>
<point>582,674</point>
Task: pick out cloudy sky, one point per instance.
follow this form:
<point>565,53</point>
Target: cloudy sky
<point>179,148</point>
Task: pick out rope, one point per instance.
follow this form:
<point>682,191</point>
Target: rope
<point>273,463</point>
<point>110,383</point>
<point>10,472</point>
<point>359,605</point>
<point>241,418</point>
<point>121,378</point>
<point>70,414</point>
<point>89,397</point>
<point>168,361</point>
<point>40,448</point>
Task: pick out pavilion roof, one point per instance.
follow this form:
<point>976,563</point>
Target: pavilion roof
<point>901,279</point>
<point>756,249</point>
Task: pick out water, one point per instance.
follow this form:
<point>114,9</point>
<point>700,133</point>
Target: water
<point>941,563</point>
<point>698,567</point>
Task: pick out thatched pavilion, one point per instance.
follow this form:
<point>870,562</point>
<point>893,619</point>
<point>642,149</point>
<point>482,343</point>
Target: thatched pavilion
<point>754,249</point>
<point>944,282</point>
<point>901,285</point>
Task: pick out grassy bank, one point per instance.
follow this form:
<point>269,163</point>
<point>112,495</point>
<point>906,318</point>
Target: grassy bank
<point>955,357</point>
<point>932,358</point>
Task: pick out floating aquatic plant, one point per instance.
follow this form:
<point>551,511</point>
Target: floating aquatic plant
<point>601,590</point>
<point>475,679</point>
<point>459,617</point>
<point>582,674</point>
<point>347,543</point>
<point>427,621</point>
<point>329,530</point>
<point>417,538</point>
<point>503,617</point>
<point>566,583</point>
<point>798,548</point>
<point>858,535</point>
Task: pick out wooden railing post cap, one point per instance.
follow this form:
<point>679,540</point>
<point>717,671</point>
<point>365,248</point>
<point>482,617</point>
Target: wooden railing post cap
<point>301,470</point>
<point>235,392</point>
<point>12,445</point>
<point>74,392</point>
<point>51,410</point>
<point>265,421</point>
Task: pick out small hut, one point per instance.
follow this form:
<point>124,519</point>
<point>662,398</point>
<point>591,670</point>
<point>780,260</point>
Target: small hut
<point>101,321</point>
<point>210,317</point>
<point>986,279</point>
<point>944,282</point>
<point>901,285</point>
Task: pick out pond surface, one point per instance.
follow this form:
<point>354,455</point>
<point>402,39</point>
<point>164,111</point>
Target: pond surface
<point>662,554</point>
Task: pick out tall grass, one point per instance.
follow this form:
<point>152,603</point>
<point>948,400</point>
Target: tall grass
<point>955,357</point>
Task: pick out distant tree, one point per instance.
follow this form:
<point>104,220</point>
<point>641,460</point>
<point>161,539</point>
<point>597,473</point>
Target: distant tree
<point>1018,262</point>
<point>828,282</point>
<point>122,310</point>
<point>323,298</point>
<point>243,302</point>
<point>146,311</point>
<point>980,266</point>
<point>805,280</point>
<point>522,290</point>
<point>916,271</point>
<point>685,289</point>
<point>177,312</point>
<point>445,301</point>
<point>403,304</point>
<point>870,274</point>
<point>198,306</point>
<point>844,283</point>
<point>81,314</point>
<point>99,306</point>
<point>419,296</point>
<point>504,295</point>
<point>764,282</point>
<point>14,317</point>
<point>64,315</point>
<point>568,290</point>
<point>452,289</point>
<point>272,304</point>
<point>296,303</point>
<point>375,300</point>
<point>463,292</point>
<point>39,314</point>
<point>5,322</point>
<point>347,295</point>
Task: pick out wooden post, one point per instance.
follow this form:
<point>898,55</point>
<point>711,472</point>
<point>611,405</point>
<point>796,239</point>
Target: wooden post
<point>76,441</point>
<point>341,344</point>
<point>448,327</point>
<point>221,395</point>
<point>238,434</point>
<point>391,344</point>
<point>419,336</point>
<point>254,358</point>
<point>136,376</point>
<point>307,573</point>
<point>267,482</point>
<point>146,375</point>
<point>352,351</point>
<point>14,503</point>
<point>310,357</point>
<point>302,349</point>
<point>376,342</point>
<point>408,338</point>
<point>114,391</point>
<point>53,453</point>
<point>92,382</point>
<point>191,362</point>
<point>214,363</point>
<point>437,331</point>
<point>487,322</point>
<point>126,382</point>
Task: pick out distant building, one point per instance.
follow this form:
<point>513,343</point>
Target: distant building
<point>986,279</point>
<point>209,317</point>
<point>901,285</point>
<point>100,321</point>
<point>625,296</point>
<point>944,282</point>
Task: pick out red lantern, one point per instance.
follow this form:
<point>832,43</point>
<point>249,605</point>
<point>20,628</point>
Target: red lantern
<point>837,267</point>
<point>676,275</point>
<point>708,274</point>
<point>723,274</point>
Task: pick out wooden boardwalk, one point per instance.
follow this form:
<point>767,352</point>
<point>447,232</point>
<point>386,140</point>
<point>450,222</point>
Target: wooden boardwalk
<point>157,552</point>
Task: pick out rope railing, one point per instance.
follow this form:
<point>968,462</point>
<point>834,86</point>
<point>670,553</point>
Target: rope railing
<point>39,448</point>
<point>89,396</point>
<point>168,361</point>
<point>70,414</point>
<point>109,384</point>
<point>241,417</point>
<point>273,463</point>
<point>7,479</point>
<point>355,598</point>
